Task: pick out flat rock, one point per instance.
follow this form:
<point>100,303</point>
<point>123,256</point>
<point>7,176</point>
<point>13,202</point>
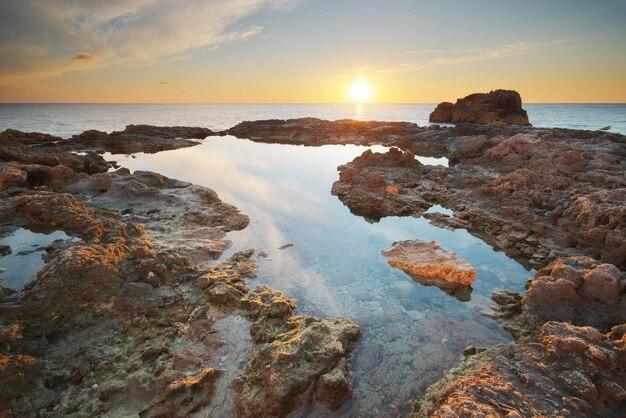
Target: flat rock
<point>427,263</point>
<point>138,138</point>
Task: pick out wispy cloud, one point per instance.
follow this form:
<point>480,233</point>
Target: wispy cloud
<point>422,59</point>
<point>47,39</point>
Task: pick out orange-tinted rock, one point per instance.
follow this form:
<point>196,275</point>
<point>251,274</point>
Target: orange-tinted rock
<point>427,263</point>
<point>579,290</point>
<point>560,370</point>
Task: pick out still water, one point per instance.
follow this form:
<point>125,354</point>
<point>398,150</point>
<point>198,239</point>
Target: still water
<point>21,265</point>
<point>411,333</point>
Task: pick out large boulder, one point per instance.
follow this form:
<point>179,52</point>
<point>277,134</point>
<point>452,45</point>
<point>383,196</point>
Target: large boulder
<point>497,106</point>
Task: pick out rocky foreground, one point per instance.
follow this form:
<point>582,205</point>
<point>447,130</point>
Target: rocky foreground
<point>126,321</point>
<point>553,199</point>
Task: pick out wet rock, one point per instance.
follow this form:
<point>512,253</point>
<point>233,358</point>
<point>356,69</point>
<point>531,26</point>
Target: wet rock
<point>306,360</point>
<point>534,193</point>
<point>497,106</point>
<point>313,131</point>
<point>11,175</point>
<point>427,263</point>
<point>185,396</point>
<point>364,184</point>
<point>138,138</point>
<point>444,221</point>
<point>22,383</point>
<point>224,294</point>
<point>188,218</point>
<point>560,369</point>
<point>5,250</point>
<point>334,387</point>
<point>579,290</point>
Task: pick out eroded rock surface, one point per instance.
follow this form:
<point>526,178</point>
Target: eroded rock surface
<point>578,290</point>
<point>559,370</point>
<point>297,359</point>
<point>36,149</point>
<point>427,263</point>
<point>123,321</point>
<point>189,218</point>
<point>495,107</point>
<point>536,195</point>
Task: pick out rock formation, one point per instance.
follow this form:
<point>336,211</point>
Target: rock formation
<point>124,320</point>
<point>577,290</point>
<point>535,195</point>
<point>559,370</point>
<point>495,107</point>
<point>182,216</point>
<point>138,138</point>
<point>427,263</point>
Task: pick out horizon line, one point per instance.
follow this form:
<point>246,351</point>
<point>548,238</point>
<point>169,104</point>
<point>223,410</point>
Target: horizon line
<point>288,103</point>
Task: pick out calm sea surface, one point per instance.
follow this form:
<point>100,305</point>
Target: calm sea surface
<point>69,119</point>
<point>411,333</point>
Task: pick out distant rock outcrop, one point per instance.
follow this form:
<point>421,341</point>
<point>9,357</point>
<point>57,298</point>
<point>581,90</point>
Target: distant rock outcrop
<point>495,107</point>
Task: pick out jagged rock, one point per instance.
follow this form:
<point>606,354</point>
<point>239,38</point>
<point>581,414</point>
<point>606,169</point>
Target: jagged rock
<point>42,149</point>
<point>374,185</point>
<point>536,194</point>
<point>497,106</point>
<point>559,370</point>
<point>185,396</point>
<point>427,263</point>
<point>579,290</point>
<point>291,366</point>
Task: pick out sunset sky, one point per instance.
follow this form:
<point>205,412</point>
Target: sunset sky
<point>310,50</point>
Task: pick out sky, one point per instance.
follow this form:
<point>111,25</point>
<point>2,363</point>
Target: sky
<point>310,51</point>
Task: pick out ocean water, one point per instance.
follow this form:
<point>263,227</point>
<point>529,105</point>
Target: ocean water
<point>412,333</point>
<point>69,119</point>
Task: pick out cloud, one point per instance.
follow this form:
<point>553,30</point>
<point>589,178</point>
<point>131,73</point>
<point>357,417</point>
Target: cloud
<point>164,82</point>
<point>84,56</point>
<point>46,39</point>
<point>435,58</point>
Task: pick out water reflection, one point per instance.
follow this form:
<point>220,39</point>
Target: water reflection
<point>411,333</point>
<point>21,266</point>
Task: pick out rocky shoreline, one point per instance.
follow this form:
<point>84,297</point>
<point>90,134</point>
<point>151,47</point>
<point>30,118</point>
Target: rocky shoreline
<point>553,198</point>
<point>124,321</point>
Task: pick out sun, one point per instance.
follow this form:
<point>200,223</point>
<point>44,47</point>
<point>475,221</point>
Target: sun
<point>359,91</point>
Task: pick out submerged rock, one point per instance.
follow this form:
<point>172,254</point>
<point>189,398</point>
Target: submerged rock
<point>497,106</point>
<point>427,263</point>
<point>559,370</point>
